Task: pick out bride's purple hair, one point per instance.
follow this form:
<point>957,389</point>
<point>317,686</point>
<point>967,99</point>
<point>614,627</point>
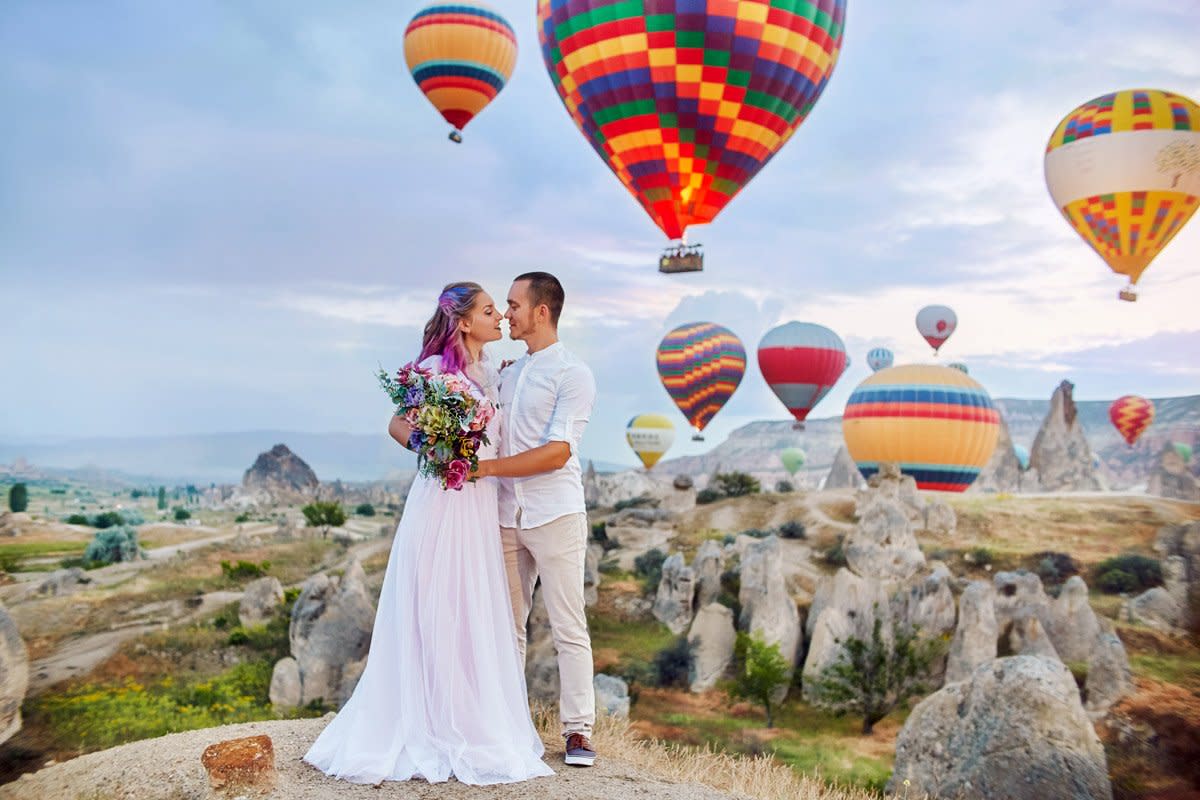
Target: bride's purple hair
<point>442,337</point>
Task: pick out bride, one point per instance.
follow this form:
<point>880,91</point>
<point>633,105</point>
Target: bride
<point>443,693</point>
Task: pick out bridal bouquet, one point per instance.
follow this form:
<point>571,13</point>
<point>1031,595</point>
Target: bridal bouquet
<point>449,424</point>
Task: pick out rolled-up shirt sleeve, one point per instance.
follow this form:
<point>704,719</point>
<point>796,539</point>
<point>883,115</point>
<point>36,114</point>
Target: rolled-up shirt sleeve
<point>572,407</point>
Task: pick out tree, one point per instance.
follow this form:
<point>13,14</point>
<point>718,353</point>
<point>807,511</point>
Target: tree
<point>870,678</point>
<point>18,497</point>
<point>365,510</point>
<point>736,484</point>
<point>162,498</point>
<point>113,544</point>
<point>182,513</point>
<point>324,514</point>
<point>761,670</point>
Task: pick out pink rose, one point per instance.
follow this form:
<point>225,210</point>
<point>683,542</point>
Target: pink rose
<point>483,415</point>
<point>456,473</point>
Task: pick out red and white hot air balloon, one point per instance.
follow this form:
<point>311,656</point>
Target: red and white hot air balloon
<point>936,323</point>
<point>801,362</point>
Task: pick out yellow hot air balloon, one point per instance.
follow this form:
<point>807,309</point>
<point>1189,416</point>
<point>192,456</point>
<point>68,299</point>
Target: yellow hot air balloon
<point>650,436</point>
<point>1124,169</point>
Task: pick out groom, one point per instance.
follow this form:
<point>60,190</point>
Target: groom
<point>546,398</point>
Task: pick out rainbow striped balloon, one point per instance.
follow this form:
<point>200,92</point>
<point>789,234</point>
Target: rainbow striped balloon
<point>686,100</point>
<point>701,365</point>
<point>460,55</point>
<point>937,423</point>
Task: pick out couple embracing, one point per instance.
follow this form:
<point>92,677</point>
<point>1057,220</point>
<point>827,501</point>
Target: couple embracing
<point>443,692</point>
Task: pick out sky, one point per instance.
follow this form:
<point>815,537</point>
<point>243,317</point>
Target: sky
<point>224,216</point>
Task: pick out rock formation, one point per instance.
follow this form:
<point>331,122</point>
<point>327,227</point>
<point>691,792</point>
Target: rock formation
<point>712,638</point>
<point>282,475</point>
<point>975,638</point>
<point>767,607</point>
<point>1171,477</point>
<point>14,675</point>
<point>707,567</point>
<point>676,591</point>
<point>1061,453</point>
<point>259,601</point>
<point>844,473</point>
<point>1002,473</point>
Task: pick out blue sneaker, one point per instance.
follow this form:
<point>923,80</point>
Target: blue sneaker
<point>579,751</point>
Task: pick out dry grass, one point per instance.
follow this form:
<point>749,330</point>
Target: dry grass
<point>760,777</point>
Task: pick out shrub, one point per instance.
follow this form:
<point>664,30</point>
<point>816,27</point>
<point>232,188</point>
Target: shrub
<point>1054,568</point>
<point>783,487</point>
<point>633,502</point>
<point>706,496</point>
<point>242,517</point>
<point>755,533</point>
<point>870,678</point>
<point>111,545</point>
<point>672,664</point>
<point>131,516</point>
<point>600,537</point>
<point>731,589</point>
<point>792,529</point>
<point>181,514</point>
<point>736,484</point>
<point>365,510</point>
<point>835,554</point>
<point>18,498</point>
<point>761,669</point>
<point>1128,573</point>
<point>649,567</point>
<point>244,569</point>
<point>107,519</point>
<point>238,636</point>
<point>980,556</point>
<point>77,519</point>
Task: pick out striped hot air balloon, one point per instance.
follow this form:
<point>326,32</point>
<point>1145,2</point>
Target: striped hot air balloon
<point>650,436</point>
<point>938,424</point>
<point>686,100</point>
<point>701,365</point>
<point>460,55</point>
<point>879,358</point>
<point>1131,415</point>
<point>801,362</point>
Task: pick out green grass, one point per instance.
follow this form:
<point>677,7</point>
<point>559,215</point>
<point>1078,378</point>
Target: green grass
<point>634,640</point>
<point>18,551</point>
<point>1181,670</point>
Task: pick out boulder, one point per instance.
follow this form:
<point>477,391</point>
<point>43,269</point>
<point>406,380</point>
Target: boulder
<point>940,518</point>
<point>241,767</point>
<point>259,602</point>
<point>708,566</point>
<point>676,592</point>
<point>1018,594</point>
<point>712,638</point>
<point>1170,477</point>
<point>591,574</point>
<point>974,642</point>
<point>612,695</point>
<point>1025,636</point>
<point>330,634</point>
<point>767,608</point>
<point>1071,622</point>
<point>882,544</point>
<point>1109,677</point>
<point>1182,578</point>
<point>1155,608</point>
<point>14,675</point>
<point>63,582</point>
<point>1061,453</point>
<point>285,690</point>
<point>1015,729</point>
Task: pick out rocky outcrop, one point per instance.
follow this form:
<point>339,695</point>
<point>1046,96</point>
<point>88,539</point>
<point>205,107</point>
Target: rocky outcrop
<point>63,582</point>
<point>281,474</point>
<point>1071,622</point>
<point>591,574</point>
<point>882,544</point>
<point>330,635</point>
<point>637,531</point>
<point>1015,729</point>
<point>844,473</point>
<point>712,638</point>
<point>541,656</point>
<point>612,695</point>
<point>14,675</point>
<point>1182,578</point>
<point>1061,453</point>
<point>1002,473</point>
<point>975,638</point>
<point>676,591</point>
<point>259,602</point>
<point>1171,477</point>
<point>1109,677</point>
<point>767,608</point>
<point>591,486</point>
<point>708,566</point>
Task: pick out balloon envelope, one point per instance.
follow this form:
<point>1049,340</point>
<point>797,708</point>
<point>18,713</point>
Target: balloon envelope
<point>1184,450</point>
<point>961,367</point>
<point>879,358</point>
<point>792,458</point>
<point>1022,454</point>
<point>1131,415</point>
<point>936,323</point>
<point>700,365</point>
<point>938,424</point>
<point>461,55</point>
<point>801,362</point>
<point>650,436</point>
<point>1124,169</point>
<point>686,100</point>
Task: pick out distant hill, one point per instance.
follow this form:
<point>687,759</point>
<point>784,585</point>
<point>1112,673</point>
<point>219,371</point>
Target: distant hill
<point>751,448</point>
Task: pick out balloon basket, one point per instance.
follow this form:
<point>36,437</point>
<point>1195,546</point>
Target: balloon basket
<point>1128,294</point>
<point>697,438</point>
<point>797,426</point>
<point>681,258</point>
<point>455,136</point>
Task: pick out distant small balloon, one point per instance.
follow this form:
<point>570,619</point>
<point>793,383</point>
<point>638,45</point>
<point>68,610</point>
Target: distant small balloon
<point>879,358</point>
<point>1184,450</point>
<point>793,459</point>
<point>936,324</point>
<point>650,436</point>
<point>1022,454</point>
<point>1131,415</point>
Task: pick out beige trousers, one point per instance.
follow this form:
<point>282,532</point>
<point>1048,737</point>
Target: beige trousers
<point>555,552</point>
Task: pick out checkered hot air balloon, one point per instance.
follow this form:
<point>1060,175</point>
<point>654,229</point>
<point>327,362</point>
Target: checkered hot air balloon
<point>460,55</point>
<point>938,424</point>
<point>1124,169</point>
<point>701,365</point>
<point>686,100</point>
<point>1131,415</point>
<point>801,362</point>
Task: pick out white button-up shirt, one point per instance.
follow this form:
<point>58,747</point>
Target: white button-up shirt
<point>545,397</point>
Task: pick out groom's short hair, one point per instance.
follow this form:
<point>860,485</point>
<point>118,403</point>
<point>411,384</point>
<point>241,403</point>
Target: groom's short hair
<point>544,289</point>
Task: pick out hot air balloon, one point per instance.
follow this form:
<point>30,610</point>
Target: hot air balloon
<point>1131,415</point>
<point>650,436</point>
<point>961,367</point>
<point>701,364</point>
<point>1022,454</point>
<point>801,362</point>
<point>1184,450</point>
<point>1124,169</point>
<point>938,424</point>
<point>792,459</point>
<point>686,100</point>
<point>461,55</point>
<point>847,366</point>
<point>879,358</point>
<point>936,323</point>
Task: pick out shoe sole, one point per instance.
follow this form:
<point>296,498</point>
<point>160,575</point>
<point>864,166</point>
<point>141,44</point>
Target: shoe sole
<point>580,761</point>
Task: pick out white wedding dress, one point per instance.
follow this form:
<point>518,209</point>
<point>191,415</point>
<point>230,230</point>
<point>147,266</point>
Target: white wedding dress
<point>442,693</point>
